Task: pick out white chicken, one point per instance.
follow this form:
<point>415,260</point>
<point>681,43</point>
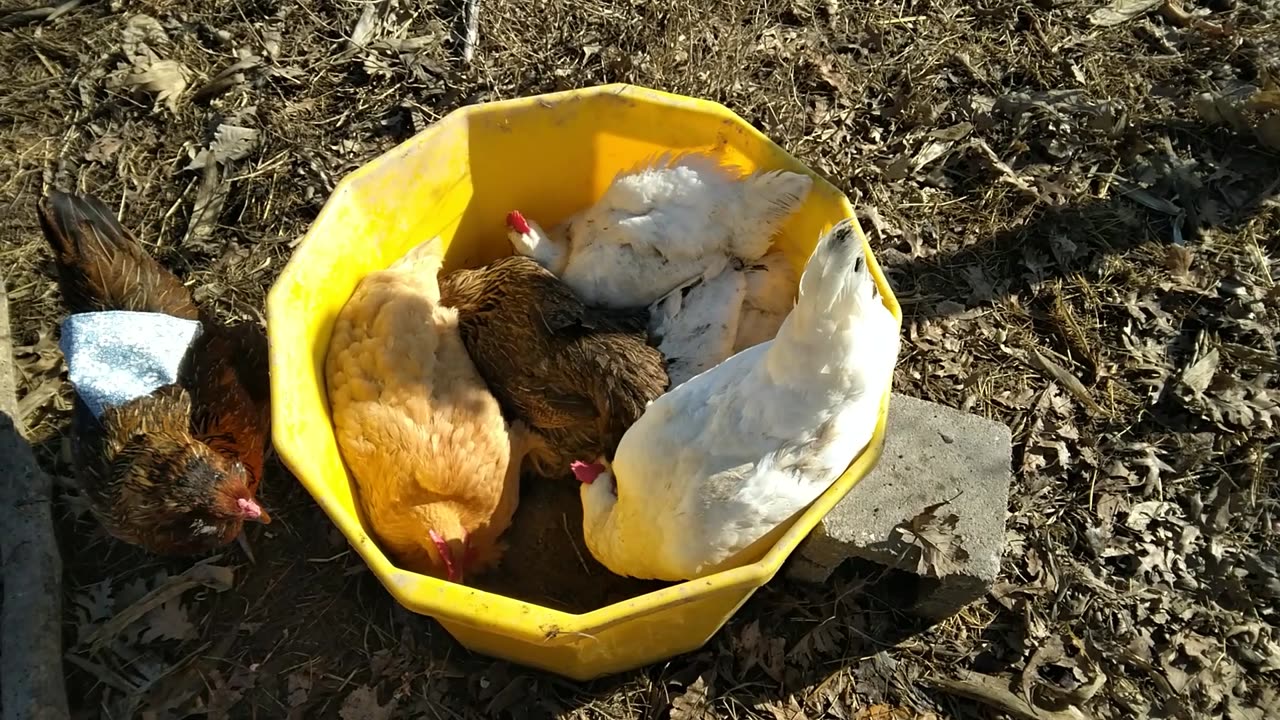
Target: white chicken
<point>771,291</point>
<point>661,225</point>
<point>716,464</point>
<point>695,326</point>
<point>701,323</point>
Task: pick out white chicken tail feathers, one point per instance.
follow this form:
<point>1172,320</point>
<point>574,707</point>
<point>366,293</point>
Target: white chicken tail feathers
<point>767,200</point>
<point>699,162</point>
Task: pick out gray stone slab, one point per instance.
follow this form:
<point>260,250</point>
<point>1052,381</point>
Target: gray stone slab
<point>932,454</point>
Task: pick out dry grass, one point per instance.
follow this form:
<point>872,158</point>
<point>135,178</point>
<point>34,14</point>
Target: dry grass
<point>1021,172</point>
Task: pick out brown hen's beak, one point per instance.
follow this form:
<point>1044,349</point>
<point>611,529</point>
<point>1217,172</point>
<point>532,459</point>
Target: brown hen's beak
<point>253,511</point>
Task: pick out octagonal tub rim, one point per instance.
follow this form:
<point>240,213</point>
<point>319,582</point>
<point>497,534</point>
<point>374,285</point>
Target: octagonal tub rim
<point>509,616</point>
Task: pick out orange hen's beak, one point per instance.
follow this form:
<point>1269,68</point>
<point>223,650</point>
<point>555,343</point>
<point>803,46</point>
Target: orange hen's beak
<point>452,569</point>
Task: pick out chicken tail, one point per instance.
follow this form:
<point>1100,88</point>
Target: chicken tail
<point>768,199</point>
<point>101,266</point>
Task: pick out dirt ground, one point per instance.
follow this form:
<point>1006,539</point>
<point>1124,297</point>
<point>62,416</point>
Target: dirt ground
<point>1077,211</point>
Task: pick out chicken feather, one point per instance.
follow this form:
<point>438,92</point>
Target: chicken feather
<point>435,465</point>
<point>715,465</point>
<point>696,325</point>
<point>662,224</point>
<point>176,471</point>
<point>578,376</point>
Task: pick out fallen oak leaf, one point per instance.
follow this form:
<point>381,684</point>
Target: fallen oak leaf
<point>141,34</point>
<point>169,621</point>
<point>166,79</point>
<point>299,687</point>
<point>1122,11</point>
<point>217,577</point>
<point>693,703</point>
<point>362,704</point>
<point>230,143</point>
<point>940,550</point>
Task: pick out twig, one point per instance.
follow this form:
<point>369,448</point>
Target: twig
<point>993,692</point>
<point>8,379</point>
<point>472,14</point>
<point>1069,381</point>
<point>31,621</point>
<point>565,524</point>
<point>37,15</point>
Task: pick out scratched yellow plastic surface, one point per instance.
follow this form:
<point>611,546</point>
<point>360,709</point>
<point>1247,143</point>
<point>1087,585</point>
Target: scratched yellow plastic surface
<point>548,156</point>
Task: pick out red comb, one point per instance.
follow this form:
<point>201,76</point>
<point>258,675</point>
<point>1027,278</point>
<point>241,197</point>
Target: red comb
<point>450,569</point>
<point>585,473</point>
<point>516,221</point>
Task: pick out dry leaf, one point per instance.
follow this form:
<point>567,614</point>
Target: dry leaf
<point>1142,514</point>
<point>228,78</point>
<point>362,704</point>
<point>694,703</point>
<point>791,711</point>
<point>141,34</point>
<point>225,695</point>
<point>941,551</point>
<point>1122,11</point>
<point>168,622</point>
<point>201,574</point>
<point>754,649</point>
<point>1200,373</point>
<point>888,712</point>
<point>96,604</point>
<point>299,686</point>
<point>1064,377</point>
<point>167,79</point>
<point>41,357</point>
<point>104,149</point>
<point>823,640</point>
<point>230,143</point>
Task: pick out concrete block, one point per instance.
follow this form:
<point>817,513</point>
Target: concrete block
<point>932,454</point>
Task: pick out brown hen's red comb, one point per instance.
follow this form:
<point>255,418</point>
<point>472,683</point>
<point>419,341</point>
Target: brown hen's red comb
<point>516,221</point>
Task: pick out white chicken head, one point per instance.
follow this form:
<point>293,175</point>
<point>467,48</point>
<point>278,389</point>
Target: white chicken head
<point>599,494</point>
<point>529,239</point>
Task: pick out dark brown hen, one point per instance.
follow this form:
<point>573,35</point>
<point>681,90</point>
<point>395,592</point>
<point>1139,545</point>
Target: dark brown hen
<point>578,376</point>
<point>174,472</point>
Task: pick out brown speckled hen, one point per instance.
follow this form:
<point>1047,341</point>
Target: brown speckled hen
<point>175,472</point>
<point>577,376</point>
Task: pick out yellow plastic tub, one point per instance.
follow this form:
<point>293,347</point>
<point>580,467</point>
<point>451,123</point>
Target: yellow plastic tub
<point>548,155</point>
